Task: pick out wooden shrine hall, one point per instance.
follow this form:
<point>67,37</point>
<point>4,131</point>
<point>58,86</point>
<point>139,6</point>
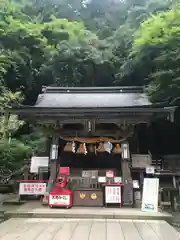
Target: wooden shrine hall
<point>92,128</point>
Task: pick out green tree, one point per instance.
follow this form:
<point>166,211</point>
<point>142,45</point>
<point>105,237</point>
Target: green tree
<point>156,50</point>
<point>78,57</point>
<point>12,154</point>
<point>57,52</point>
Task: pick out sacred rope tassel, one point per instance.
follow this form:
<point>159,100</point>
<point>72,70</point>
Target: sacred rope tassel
<point>74,147</point>
<point>85,149</point>
<point>107,147</point>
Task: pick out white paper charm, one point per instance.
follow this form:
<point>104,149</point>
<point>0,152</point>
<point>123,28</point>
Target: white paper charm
<point>73,147</point>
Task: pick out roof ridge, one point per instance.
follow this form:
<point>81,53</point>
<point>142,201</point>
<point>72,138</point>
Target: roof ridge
<point>114,89</point>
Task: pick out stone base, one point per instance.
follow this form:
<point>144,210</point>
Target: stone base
<point>36,210</point>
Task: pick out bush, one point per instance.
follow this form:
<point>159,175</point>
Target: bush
<point>12,154</point>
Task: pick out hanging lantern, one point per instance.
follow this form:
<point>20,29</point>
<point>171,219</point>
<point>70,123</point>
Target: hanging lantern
<point>116,148</point>
<point>125,150</point>
<point>68,147</point>
<point>85,149</point>
<point>100,147</point>
<point>81,148</point>
<point>74,147</point>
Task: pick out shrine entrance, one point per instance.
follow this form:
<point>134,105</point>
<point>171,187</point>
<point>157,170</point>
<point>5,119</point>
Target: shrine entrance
<point>88,160</point>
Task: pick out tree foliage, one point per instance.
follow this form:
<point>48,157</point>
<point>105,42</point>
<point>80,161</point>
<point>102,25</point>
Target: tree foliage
<point>84,43</point>
<point>74,42</point>
<point>156,50</point>
<point>12,154</point>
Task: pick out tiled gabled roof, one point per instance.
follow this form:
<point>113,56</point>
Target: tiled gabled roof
<point>97,97</point>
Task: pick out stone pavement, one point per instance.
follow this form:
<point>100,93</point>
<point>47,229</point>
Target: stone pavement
<point>86,229</point>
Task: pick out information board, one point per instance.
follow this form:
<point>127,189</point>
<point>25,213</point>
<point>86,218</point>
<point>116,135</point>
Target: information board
<point>150,195</point>
<point>32,188</point>
<point>59,200</point>
<point>90,174</point>
<point>113,194</point>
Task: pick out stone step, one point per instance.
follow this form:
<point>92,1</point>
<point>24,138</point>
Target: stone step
<point>14,202</point>
<point>54,213</point>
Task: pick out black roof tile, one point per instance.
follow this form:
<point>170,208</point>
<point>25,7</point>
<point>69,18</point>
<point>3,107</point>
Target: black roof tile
<point>107,97</point>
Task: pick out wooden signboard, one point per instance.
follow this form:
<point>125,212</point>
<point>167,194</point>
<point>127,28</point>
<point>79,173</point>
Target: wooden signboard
<point>141,161</point>
<point>90,173</point>
<point>128,194</point>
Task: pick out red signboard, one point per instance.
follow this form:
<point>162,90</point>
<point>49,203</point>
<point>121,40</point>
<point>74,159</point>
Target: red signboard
<point>64,171</point>
<point>109,173</point>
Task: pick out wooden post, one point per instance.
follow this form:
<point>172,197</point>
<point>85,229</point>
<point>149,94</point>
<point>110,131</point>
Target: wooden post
<point>53,168</point>
<point>26,173</point>
<point>127,197</point>
<point>174,195</point>
<point>53,165</point>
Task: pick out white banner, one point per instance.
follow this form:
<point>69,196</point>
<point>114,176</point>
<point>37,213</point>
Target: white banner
<point>113,194</point>
<point>32,188</point>
<point>59,200</point>
<point>150,195</point>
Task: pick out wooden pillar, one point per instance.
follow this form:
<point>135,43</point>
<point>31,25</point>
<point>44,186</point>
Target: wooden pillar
<point>53,163</point>
<point>127,196</point>
<point>26,173</point>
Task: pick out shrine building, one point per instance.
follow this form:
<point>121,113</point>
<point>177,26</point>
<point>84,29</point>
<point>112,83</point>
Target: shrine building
<point>92,130</point>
